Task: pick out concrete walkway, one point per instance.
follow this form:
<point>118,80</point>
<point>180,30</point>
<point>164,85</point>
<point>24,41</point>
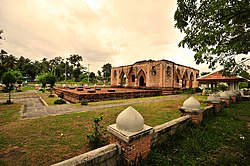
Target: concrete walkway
<point>34,107</point>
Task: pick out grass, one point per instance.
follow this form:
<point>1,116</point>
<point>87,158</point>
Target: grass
<point>119,101</point>
<point>49,100</point>
<point>221,140</point>
<point>48,140</point>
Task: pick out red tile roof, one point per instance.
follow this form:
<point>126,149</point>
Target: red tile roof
<point>218,77</point>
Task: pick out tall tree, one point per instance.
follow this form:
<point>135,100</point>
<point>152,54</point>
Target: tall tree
<point>217,31</point>
<point>75,60</point>
<point>106,70</point>
<point>92,77</point>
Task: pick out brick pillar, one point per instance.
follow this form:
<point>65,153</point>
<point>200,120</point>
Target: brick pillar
<point>233,98</point>
<point>133,144</point>
<point>197,117</point>
<point>217,106</point>
<point>226,101</point>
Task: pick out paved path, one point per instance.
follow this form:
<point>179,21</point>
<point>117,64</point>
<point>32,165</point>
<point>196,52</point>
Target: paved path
<point>35,108</point>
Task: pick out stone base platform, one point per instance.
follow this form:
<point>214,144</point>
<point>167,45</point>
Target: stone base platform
<point>103,94</point>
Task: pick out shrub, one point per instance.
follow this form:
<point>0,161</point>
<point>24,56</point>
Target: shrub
<point>96,138</point>
<point>59,101</point>
<point>84,102</point>
<point>198,90</point>
<point>42,90</point>
<point>222,87</point>
<point>188,91</point>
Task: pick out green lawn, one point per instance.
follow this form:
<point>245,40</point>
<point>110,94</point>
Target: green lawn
<point>223,139</point>
<point>49,140</point>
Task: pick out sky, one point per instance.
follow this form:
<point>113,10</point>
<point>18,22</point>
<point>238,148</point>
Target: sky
<point>119,32</point>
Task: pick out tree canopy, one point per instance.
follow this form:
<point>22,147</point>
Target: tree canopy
<point>106,70</point>
<point>217,31</point>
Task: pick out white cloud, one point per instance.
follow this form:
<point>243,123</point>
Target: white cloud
<point>102,31</point>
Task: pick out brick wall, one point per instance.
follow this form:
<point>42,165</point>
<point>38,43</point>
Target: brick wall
<point>119,150</point>
<point>75,97</point>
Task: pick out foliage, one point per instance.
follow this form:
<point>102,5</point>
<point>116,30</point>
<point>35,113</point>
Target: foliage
<point>96,138</point>
<point>59,101</point>
<point>188,91</point>
<point>41,79</point>
<point>9,79</point>
<point>204,73</point>
<point>222,87</point>
<point>106,70</point>
<point>92,77</point>
<point>243,85</point>
<point>84,102</point>
<point>46,78</point>
<point>218,31</point>
<point>222,139</point>
<point>198,90</point>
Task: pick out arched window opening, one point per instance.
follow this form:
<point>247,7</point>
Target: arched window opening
<point>153,71</point>
<point>168,71</point>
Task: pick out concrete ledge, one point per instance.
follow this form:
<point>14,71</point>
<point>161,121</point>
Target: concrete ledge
<point>208,108</point>
<point>44,103</point>
<point>162,131</point>
<point>171,123</point>
<point>23,110</point>
<point>106,155</point>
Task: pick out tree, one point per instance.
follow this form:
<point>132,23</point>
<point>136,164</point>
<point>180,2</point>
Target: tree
<point>204,73</point>
<point>92,76</point>
<point>9,79</point>
<point>47,78</point>
<point>75,60</point>
<point>50,79</point>
<point>99,76</point>
<point>217,31</point>
<point>106,70</point>
<point>41,79</point>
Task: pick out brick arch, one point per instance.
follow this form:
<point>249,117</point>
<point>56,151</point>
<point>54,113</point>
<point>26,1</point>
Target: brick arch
<point>185,79</point>
<point>122,78</point>
<point>131,76</point>
<point>191,79</point>
<point>141,78</point>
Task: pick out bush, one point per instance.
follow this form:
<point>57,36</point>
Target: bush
<point>198,90</point>
<point>42,90</point>
<point>84,102</point>
<point>222,87</point>
<point>59,101</point>
<point>96,138</point>
<point>188,91</point>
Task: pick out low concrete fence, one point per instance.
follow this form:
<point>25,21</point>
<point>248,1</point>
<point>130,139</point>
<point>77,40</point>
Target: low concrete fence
<point>161,132</point>
<point>106,155</point>
<point>129,145</point>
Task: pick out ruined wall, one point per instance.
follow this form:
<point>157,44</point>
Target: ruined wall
<point>154,74</point>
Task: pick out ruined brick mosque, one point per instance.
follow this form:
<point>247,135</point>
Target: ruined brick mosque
<point>152,74</point>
